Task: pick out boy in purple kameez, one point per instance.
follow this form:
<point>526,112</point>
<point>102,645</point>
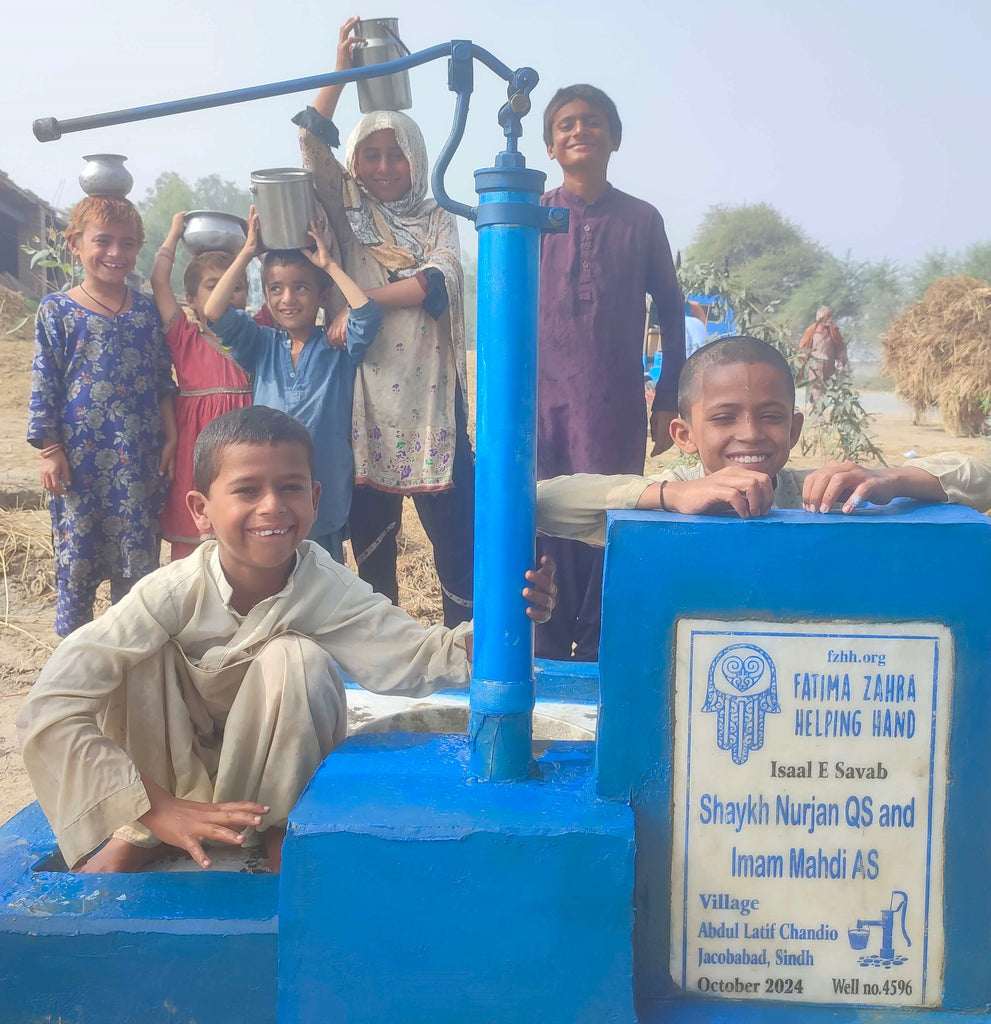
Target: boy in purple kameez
<point>590,399</point>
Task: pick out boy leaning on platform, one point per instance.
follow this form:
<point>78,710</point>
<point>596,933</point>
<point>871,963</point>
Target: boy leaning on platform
<point>199,706</point>
<point>736,405</point>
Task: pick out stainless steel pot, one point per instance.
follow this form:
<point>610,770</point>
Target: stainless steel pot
<point>382,43</point>
<point>105,175</point>
<point>207,231</point>
<point>286,204</point>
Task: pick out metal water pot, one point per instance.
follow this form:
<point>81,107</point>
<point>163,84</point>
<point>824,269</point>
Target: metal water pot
<point>286,204</point>
<point>105,175</point>
<point>382,43</point>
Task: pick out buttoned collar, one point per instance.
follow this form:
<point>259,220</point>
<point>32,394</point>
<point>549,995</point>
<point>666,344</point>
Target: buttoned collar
<point>226,591</point>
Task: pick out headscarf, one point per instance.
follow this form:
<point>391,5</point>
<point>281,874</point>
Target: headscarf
<point>404,233</point>
<point>411,233</point>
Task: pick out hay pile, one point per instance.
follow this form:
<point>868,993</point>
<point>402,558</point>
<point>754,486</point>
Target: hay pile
<point>13,310</point>
<point>939,353</point>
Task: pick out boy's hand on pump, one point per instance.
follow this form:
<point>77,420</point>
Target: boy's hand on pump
<point>346,43</point>
<point>186,823</point>
<point>542,592</point>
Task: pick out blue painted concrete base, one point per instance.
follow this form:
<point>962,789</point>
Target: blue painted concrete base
<point>105,949</point>
<point>709,1011</point>
<point>412,894</point>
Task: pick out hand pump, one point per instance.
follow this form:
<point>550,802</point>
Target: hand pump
<point>509,220</point>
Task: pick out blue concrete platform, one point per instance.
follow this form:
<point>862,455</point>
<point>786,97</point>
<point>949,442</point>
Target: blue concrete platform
<point>407,885</point>
<point>904,563</point>
<point>151,947</point>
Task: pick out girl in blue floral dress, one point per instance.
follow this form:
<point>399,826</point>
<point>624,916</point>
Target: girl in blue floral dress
<point>102,414</point>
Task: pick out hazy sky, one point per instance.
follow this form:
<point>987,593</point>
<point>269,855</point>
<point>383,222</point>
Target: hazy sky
<point>863,121</point>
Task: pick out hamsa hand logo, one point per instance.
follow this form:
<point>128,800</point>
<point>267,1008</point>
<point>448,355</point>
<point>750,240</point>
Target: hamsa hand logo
<point>742,688</point>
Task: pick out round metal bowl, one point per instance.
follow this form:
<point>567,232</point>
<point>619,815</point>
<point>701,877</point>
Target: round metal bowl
<point>207,231</point>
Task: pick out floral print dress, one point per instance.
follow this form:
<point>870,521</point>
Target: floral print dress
<point>96,386</point>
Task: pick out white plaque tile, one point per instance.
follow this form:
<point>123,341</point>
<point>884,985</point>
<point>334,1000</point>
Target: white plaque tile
<point>810,768</point>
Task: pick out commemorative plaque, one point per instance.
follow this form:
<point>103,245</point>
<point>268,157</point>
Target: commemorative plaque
<point>810,766</point>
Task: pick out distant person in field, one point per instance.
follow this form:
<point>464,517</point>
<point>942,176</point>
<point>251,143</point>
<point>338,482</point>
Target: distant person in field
<point>590,399</point>
<point>823,341</point>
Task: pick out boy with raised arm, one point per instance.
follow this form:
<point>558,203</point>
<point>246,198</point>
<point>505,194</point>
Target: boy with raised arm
<point>197,708</point>
<point>736,403</point>
<point>296,367</point>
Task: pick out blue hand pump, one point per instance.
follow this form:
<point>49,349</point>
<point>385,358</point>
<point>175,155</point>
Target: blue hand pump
<point>509,220</point>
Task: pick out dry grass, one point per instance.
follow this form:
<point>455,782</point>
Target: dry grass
<point>939,353</point>
<point>419,589</point>
<point>27,565</point>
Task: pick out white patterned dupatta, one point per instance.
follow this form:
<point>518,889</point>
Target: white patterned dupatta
<point>411,233</point>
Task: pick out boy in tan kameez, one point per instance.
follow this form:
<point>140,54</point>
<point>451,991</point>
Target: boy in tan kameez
<point>736,405</point>
<point>197,708</point>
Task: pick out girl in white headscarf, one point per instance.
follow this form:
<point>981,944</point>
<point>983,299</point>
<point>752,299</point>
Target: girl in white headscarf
<point>409,425</point>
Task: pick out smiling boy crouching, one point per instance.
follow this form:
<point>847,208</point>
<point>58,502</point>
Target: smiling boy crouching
<point>199,706</point>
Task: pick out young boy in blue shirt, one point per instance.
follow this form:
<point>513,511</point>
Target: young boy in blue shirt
<point>295,367</point>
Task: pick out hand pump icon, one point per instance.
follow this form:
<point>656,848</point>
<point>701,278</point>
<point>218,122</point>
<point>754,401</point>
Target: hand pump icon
<point>860,934</point>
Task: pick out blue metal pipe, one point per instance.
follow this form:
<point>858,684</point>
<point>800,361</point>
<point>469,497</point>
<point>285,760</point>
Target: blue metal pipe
<point>48,129</point>
<point>502,686</point>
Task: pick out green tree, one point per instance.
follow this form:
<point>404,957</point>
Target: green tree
<point>836,424</point>
<point>935,264</point>
<point>884,293</point>
<point>976,261</point>
<point>762,252</point>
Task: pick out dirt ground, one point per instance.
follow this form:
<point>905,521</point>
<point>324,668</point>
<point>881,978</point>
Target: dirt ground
<point>26,606</point>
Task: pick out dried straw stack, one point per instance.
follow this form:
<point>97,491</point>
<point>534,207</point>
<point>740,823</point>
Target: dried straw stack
<point>939,353</point>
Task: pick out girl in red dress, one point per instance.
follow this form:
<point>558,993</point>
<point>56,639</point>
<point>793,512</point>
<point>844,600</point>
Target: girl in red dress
<point>210,382</point>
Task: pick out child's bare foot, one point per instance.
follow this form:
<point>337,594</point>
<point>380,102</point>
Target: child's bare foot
<point>118,855</point>
<point>273,846</point>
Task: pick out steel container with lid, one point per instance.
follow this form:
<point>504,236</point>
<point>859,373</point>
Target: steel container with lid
<point>381,43</point>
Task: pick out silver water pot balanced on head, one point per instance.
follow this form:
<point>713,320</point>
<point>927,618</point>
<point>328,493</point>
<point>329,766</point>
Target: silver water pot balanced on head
<point>381,43</point>
<point>286,205</point>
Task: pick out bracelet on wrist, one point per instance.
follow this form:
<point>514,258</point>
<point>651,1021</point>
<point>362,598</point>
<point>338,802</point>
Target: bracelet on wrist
<point>660,497</point>
<point>50,450</point>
